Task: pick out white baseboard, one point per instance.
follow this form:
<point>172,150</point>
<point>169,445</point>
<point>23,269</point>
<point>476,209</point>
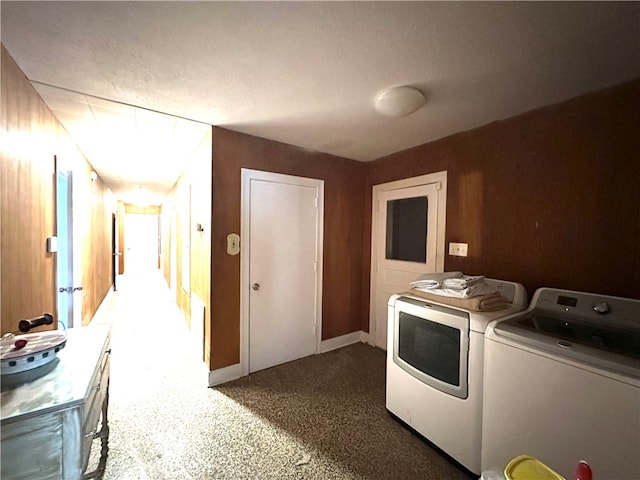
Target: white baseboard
<point>339,342</point>
<point>232,372</point>
<point>365,338</point>
<point>222,375</point>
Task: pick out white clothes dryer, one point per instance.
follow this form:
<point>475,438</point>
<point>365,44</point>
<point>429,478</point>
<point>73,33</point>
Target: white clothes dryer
<point>435,355</point>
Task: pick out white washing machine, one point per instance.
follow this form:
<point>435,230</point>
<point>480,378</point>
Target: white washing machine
<point>435,356</point>
<point>562,384</point>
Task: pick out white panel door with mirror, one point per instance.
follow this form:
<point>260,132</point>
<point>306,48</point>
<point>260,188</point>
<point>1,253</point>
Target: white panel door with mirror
<point>407,241</point>
<point>281,258</point>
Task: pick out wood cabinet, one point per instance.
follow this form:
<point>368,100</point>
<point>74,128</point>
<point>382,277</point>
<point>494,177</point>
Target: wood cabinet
<point>49,423</point>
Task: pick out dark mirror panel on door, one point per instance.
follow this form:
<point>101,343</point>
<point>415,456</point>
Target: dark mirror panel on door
<point>407,229</point>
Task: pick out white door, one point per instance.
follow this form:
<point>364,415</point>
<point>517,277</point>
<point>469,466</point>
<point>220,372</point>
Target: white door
<point>141,240</point>
<point>282,231</point>
<point>407,241</point>
<point>64,256</point>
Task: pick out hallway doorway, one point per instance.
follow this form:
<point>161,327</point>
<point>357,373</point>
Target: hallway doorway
<point>141,240</point>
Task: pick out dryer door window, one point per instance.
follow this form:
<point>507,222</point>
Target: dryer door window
<point>430,347</point>
<point>433,347</point>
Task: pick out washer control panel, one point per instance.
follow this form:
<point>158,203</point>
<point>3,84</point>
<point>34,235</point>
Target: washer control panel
<point>618,311</point>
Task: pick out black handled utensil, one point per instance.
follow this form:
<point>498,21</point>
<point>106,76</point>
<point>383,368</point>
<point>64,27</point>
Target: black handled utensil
<point>26,325</point>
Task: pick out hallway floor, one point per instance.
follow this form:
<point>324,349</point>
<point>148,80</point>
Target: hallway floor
<point>158,384</point>
<point>320,417</point>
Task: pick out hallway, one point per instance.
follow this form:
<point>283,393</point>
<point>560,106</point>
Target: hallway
<point>154,363</point>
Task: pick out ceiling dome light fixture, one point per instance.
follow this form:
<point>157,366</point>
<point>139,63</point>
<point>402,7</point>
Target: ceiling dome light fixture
<point>399,101</point>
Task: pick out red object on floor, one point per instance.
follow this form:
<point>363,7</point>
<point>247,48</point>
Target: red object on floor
<point>583,472</point>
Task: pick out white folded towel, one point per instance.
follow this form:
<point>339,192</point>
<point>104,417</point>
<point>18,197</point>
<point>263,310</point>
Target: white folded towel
<point>434,280</point>
<point>462,282</point>
<point>477,289</point>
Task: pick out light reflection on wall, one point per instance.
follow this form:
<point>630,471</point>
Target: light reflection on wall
<point>471,201</point>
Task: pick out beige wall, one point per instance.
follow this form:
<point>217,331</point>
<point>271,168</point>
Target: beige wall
<point>31,138</point>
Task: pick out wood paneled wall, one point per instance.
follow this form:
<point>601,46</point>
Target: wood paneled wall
<point>31,137</point>
<point>343,230</point>
<point>121,243</point>
<point>27,176</point>
<point>93,208</point>
<point>180,198</point>
<point>190,203</point>
<point>166,212</point>
<point>200,246</point>
<point>548,198</point>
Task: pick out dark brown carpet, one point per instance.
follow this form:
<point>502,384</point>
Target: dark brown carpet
<point>333,404</point>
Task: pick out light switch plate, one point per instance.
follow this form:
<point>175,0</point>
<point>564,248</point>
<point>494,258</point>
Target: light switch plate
<point>52,244</point>
<point>458,249</point>
<point>233,244</point>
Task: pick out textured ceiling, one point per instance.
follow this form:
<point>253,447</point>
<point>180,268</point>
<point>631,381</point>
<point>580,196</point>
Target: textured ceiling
<point>306,73</point>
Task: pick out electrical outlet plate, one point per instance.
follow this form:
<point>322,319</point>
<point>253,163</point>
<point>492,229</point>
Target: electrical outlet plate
<point>458,249</point>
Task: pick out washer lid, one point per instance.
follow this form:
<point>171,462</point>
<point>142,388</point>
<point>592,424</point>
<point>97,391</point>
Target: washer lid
<point>603,336</point>
<point>599,345</point>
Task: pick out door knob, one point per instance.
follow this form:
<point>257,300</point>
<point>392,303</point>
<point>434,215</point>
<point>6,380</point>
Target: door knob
<point>69,289</point>
<point>256,286</point>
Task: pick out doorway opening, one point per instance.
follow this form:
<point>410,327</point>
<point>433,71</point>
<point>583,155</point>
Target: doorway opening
<point>141,240</point>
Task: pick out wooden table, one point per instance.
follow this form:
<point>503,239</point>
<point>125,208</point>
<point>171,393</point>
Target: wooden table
<point>49,424</point>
